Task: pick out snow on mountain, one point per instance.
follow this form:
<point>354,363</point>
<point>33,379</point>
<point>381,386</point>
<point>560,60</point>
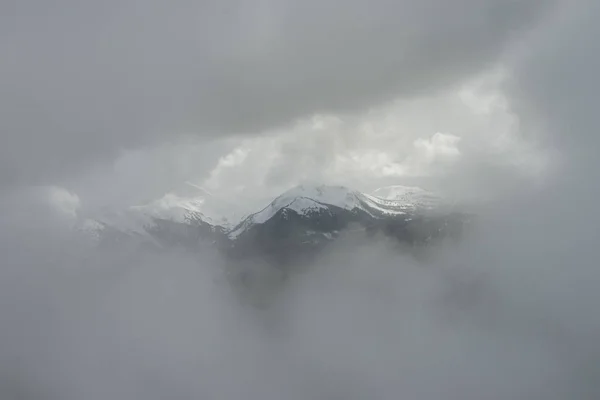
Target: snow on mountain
<point>408,196</point>
<point>305,200</point>
<point>302,199</point>
<point>196,201</point>
<point>189,204</point>
<point>89,229</point>
<point>175,208</point>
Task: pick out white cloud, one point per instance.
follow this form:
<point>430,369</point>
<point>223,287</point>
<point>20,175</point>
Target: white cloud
<point>527,328</point>
<point>450,141</point>
<point>424,138</point>
<point>81,81</point>
<point>440,147</point>
<point>64,201</point>
<point>38,212</point>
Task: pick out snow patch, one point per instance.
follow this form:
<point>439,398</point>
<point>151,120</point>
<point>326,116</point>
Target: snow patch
<point>407,196</point>
<point>305,200</point>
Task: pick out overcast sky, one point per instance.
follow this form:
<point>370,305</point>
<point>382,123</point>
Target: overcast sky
<point>121,101</point>
<point>116,102</point>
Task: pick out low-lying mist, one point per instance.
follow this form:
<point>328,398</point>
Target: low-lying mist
<point>508,313</point>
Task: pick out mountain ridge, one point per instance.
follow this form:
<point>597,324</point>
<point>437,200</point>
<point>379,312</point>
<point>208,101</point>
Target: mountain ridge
<point>301,217</point>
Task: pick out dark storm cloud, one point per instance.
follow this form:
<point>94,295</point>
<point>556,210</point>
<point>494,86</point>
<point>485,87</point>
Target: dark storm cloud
<point>80,80</point>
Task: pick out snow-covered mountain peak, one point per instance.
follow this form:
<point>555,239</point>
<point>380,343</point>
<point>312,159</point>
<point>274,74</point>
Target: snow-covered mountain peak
<point>397,192</point>
<point>195,207</point>
<point>308,200</point>
<point>187,204</point>
<point>173,207</point>
<point>338,196</point>
<point>304,200</point>
<point>308,197</point>
<point>408,195</point>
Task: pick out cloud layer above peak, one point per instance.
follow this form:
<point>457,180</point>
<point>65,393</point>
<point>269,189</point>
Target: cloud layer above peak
<point>81,81</point>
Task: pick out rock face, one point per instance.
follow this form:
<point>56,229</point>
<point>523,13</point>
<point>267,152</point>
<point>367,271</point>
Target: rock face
<point>299,222</point>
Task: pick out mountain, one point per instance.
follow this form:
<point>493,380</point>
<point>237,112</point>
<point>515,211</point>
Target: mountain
<point>307,218</point>
<point>308,201</point>
<point>184,217</point>
<point>410,196</point>
<point>302,220</point>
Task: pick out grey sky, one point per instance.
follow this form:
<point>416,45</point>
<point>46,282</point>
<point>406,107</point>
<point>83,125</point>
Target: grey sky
<point>81,81</point>
<point>366,323</point>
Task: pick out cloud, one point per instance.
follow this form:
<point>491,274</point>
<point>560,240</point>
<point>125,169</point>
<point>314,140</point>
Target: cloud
<point>363,321</point>
<point>36,207</point>
<point>554,81</point>
<point>81,81</point>
<point>454,141</point>
<point>457,141</point>
<point>143,174</point>
<point>510,313</point>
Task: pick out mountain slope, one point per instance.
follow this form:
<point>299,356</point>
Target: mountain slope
<point>392,201</point>
<point>410,196</point>
<point>175,219</point>
<point>302,219</point>
<point>318,200</point>
<point>305,218</point>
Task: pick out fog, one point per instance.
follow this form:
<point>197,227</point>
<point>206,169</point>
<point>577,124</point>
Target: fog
<point>510,312</point>
<point>507,313</point>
